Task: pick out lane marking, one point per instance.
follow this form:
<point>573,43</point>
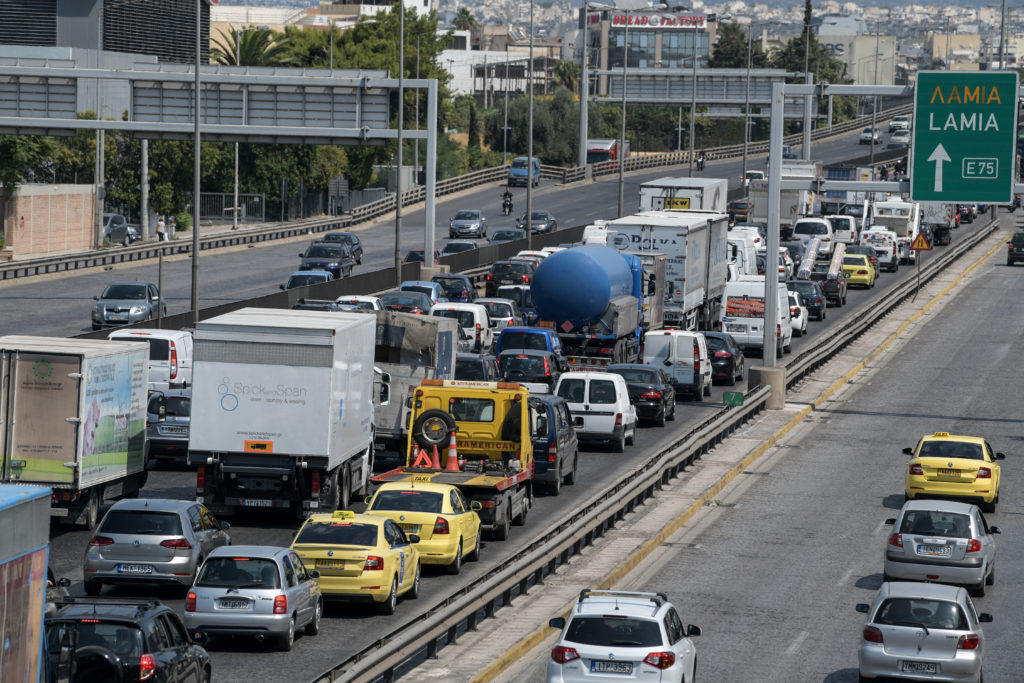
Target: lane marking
<point>791,650</point>
<point>846,577</point>
<point>881,527</point>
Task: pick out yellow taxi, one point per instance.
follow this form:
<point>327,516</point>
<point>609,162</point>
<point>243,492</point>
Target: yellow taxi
<point>948,465</point>
<point>448,525</point>
<point>857,270</point>
<point>361,558</point>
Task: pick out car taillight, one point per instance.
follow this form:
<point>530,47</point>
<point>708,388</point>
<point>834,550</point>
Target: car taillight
<point>147,667</point>
<point>417,311</point>
<point>862,272</point>
<point>547,368</point>
<point>778,330</point>
<point>201,479</point>
<point>917,469</point>
<point>973,545</point>
<point>793,310</point>
<point>440,526</point>
<point>696,357</point>
<point>553,452</point>
<point>174,361</point>
<point>281,604</point>
<point>984,473</point>
<point>97,541</point>
<point>490,277</point>
<point>176,544</point>
<point>314,485</point>
<point>723,354</point>
<point>652,395</point>
<point>970,641</point>
<point>896,540</point>
<point>660,660</point>
<point>190,602</point>
<point>373,564</point>
<point>526,278</point>
<point>618,419</point>
<point>873,634</point>
<point>564,655</point>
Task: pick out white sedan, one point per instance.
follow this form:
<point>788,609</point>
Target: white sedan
<point>356,302</point>
<point>798,315</point>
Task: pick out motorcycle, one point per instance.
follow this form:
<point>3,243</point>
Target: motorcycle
<point>506,207</point>
<point>1016,203</point>
<point>700,164</point>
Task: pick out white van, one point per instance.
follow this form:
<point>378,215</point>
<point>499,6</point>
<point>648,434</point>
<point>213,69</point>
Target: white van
<point>598,233</point>
<point>683,356</point>
<point>742,252</point>
<point>749,233</point>
<point>600,407</point>
<point>805,229</point>
<point>170,356</point>
<point>844,228</point>
<point>884,241</point>
<point>472,318</point>
<point>744,314</point>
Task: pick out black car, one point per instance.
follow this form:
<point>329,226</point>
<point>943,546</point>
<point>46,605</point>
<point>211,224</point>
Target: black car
<point>349,238</point>
<point>943,234</point>
<point>555,444</point>
<point>834,288</point>
<point>119,639</point>
<point>796,252</point>
<point>334,257</point>
<point>813,296</point>
<point>727,360</point>
<point>530,367</point>
<point>540,221</point>
<point>476,367</point>
<point>507,273</point>
<point>406,301</point>
<point>1015,248</point>
<point>650,391</point>
<point>967,213</point>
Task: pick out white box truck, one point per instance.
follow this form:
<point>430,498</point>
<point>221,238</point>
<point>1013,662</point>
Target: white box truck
<point>684,194</point>
<point>793,203</point>
<point>695,244</point>
<point>73,418</point>
<point>904,219</point>
<point>282,409</point>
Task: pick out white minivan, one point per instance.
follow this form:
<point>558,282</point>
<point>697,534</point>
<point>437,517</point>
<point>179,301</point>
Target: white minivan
<point>806,229</point>
<point>170,355</point>
<point>472,318</point>
<point>683,356</point>
<point>744,314</point>
<point>600,407</point>
<point>844,228</point>
<point>885,243</point>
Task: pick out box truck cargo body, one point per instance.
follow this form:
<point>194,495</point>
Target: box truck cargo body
<point>792,203</point>
<point>73,418</point>
<point>282,409</point>
<point>684,194</point>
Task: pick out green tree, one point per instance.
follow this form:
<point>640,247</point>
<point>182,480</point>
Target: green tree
<point>731,50</point>
<point>251,47</point>
<point>20,155</point>
<point>474,128</point>
<point>465,20</point>
<point>566,74</point>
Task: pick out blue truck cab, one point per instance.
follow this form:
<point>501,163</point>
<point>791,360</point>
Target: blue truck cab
<point>521,172</point>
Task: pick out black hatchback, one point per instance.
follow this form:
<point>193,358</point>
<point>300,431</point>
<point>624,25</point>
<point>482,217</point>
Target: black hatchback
<point>119,639</point>
<point>1015,248</point>
<point>349,238</point>
<point>507,273</point>
<point>812,294</point>
<point>650,391</point>
<point>727,360</point>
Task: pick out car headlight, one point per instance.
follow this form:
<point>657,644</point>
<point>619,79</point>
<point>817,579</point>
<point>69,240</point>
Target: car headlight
<point>136,310</point>
<point>97,308</point>
<point>333,265</point>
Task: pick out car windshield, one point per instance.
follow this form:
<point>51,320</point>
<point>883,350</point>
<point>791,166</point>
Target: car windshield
<point>516,366</point>
<point>637,375</point>
<point>496,309</point>
<point>465,318</point>
<point>511,268</point>
<point>466,215</point>
<point>124,291</point>
<point>716,344</point>
<point>141,522</point>
<point>854,260</point>
<point>356,304</point>
<point>343,237</point>
<point>508,235</point>
<point>469,370</point>
<point>421,289</point>
<point>950,449</point>
<point>399,300</point>
<point>524,340</point>
<point>521,295</point>
<point>452,285</point>
<point>536,216</point>
<point>303,280</point>
<point>124,640</point>
<point>804,288</point>
<point>936,523</point>
<point>613,631</point>
<point>519,163</point>
<point>177,406</point>
<point>457,247</point>
<point>408,500</point>
<point>414,256</point>
<point>338,533</point>
<point>321,251</point>
<point>920,612</point>
<point>810,229</point>
<point>237,570</point>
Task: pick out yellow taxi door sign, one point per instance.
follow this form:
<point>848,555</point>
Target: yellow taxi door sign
<point>677,203</point>
<point>258,447</point>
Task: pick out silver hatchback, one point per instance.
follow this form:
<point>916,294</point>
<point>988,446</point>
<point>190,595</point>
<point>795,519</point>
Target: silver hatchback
<point>942,541</point>
<point>151,541</point>
<point>254,590</point>
<point>922,631</point>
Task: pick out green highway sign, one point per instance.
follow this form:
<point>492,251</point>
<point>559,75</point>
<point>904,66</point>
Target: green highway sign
<point>964,137</point>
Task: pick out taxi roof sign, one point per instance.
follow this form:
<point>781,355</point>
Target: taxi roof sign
<point>921,243</point>
<point>941,434</point>
<point>343,514</point>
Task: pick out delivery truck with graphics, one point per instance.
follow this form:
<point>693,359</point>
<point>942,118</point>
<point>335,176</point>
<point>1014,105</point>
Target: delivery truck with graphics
<point>282,409</point>
<point>684,194</point>
<point>73,418</point>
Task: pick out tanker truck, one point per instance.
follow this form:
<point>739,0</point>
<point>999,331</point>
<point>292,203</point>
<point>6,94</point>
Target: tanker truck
<point>595,298</point>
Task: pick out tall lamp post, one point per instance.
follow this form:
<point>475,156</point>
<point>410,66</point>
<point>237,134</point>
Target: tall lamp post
<point>693,99</point>
<point>581,157</point>
<point>874,105</point>
<point>529,147</point>
<point>235,209</point>
<point>1002,35</point>
<point>195,171</point>
<point>746,108</point>
<point>428,249</point>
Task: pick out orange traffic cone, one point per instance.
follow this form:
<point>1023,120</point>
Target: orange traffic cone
<point>422,459</point>
<point>436,464</point>
<point>452,464</point>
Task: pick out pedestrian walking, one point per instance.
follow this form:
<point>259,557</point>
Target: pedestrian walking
<point>884,173</point>
<point>161,231</point>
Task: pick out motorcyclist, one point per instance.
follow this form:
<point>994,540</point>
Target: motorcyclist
<point>701,158</point>
<point>506,201</point>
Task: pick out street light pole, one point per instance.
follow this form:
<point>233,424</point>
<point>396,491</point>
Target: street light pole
<point>1002,35</point>
<point>622,132</point>
<point>693,99</point>
<point>874,106</point>
<point>195,173</point>
<point>529,148</point>
<point>416,153</point>
<point>581,156</point>
<point>746,108</point>
<point>808,98</point>
<point>332,46</point>
<point>428,249</point>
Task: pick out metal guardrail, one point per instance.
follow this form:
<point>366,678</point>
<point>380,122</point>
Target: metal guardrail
<point>365,212</point>
<point>514,576</point>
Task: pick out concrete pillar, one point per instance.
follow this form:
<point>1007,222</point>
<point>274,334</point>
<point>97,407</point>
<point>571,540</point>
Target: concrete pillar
<point>773,378</point>
<point>427,273</point>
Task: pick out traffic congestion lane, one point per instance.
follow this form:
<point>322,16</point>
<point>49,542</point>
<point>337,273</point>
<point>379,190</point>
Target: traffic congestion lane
<point>347,629</point>
<point>60,305</point>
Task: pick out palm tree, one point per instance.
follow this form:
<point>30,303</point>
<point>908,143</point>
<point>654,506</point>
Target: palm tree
<point>566,74</point>
<point>465,20</point>
<point>250,46</point>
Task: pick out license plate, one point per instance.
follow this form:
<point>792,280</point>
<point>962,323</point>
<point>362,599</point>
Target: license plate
<point>735,328</point>
<point>134,569</point>
<point>412,528</point>
<point>331,564</point>
<point>604,666</point>
<point>116,317</point>
<point>949,473</point>
<point>920,667</point>
<point>257,503</point>
<point>174,430</point>
<point>940,550</point>
<point>233,604</point>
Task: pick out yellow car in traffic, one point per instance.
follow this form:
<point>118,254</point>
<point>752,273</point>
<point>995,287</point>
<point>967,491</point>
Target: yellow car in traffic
<point>361,558</point>
<point>857,270</point>
<point>948,465</point>
<point>448,525</point>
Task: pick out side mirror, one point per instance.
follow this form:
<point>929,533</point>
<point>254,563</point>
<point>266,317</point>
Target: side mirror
<point>314,574</point>
<point>302,255</point>
<point>985,618</point>
<point>224,526</point>
<point>64,582</point>
<point>95,298</point>
<point>1000,456</point>
<point>692,630</point>
<point>199,638</point>
<point>385,394</point>
<point>991,530</point>
<point>367,499</point>
<point>557,622</point>
<point>863,607</point>
<point>891,521</point>
<point>667,363</point>
<point>475,505</point>
<point>908,451</point>
<point>414,538</point>
<point>282,288</point>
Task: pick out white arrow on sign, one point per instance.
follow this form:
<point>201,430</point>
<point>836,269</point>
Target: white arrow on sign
<point>939,156</point>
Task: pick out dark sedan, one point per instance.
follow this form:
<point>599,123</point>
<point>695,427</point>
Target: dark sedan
<point>416,256</point>
<point>406,302</point>
<point>538,368</point>
<point>650,391</point>
<point>507,235</point>
<point>812,294</point>
<point>540,221</point>
<point>347,238</point>
<point>457,287</point>
<point>335,258</point>
<point>727,360</point>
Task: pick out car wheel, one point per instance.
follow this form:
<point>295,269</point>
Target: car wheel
<point>570,478</point>
<point>798,333</point>
<point>285,642</point>
<point>313,627</point>
<point>555,487</point>
<point>730,381</point>
<point>414,591</point>
<point>619,445</point>
<point>474,554</point>
<point>388,606</point>
<point>456,565</point>
<point>632,436</point>
<point>504,528</point>
<point>978,590</point>
<point>660,422</point>
<point>988,508</point>
<point>788,348</point>
<point>93,588</point>
<point>126,242</point>
<point>698,395</point>
<point>672,414</point>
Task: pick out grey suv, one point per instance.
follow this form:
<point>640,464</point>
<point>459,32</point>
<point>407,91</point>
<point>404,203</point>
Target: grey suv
<point>151,541</point>
<point>167,423</point>
<point>124,303</point>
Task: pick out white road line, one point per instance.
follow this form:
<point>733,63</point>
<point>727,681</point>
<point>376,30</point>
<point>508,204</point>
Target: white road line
<point>846,577</point>
<point>881,527</point>
<point>791,650</point>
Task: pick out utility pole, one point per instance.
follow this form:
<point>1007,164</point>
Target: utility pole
<point>195,172</point>
<point>874,106</point>
<point>622,132</point>
<point>529,148</point>
<point>428,249</point>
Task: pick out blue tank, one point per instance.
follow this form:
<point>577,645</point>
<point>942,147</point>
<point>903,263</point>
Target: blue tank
<point>577,284</point>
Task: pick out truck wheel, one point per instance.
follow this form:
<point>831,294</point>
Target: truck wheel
<point>520,519</point>
<point>92,510</point>
<point>333,499</point>
<point>433,428</point>
<point>345,488</point>
<point>93,588</point>
<point>504,529</point>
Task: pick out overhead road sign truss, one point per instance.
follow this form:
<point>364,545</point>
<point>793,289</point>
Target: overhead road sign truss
<point>675,86</point>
